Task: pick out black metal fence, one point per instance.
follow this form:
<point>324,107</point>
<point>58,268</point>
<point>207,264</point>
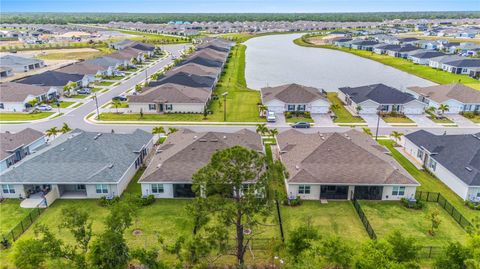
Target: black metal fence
<point>364,219</point>
<point>21,227</point>
<point>429,252</point>
<point>443,202</point>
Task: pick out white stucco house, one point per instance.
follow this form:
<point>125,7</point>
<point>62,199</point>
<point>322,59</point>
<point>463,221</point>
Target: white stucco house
<point>379,97</point>
<point>453,159</point>
<point>15,97</point>
<point>294,97</point>
<point>458,97</point>
<point>341,166</point>
<point>16,146</point>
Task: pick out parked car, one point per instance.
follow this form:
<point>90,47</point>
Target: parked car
<point>119,98</point>
<point>84,91</point>
<point>43,107</point>
<point>301,124</point>
<point>271,116</point>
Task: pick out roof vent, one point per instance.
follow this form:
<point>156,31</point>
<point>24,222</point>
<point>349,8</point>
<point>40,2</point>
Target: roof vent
<point>468,169</point>
<point>85,149</point>
<point>195,137</point>
<point>214,140</point>
<point>224,137</point>
<point>62,149</point>
<point>110,166</point>
<point>297,167</point>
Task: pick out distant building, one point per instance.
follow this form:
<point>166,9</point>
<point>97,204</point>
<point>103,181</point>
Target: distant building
<point>16,146</point>
<point>20,64</point>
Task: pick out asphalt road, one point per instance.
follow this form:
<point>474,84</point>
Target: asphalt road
<point>75,118</point>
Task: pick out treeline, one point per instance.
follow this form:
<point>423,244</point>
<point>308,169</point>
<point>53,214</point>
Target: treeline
<point>64,18</point>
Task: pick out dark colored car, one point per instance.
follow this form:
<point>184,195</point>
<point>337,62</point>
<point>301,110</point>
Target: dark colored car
<point>119,98</point>
<point>301,124</point>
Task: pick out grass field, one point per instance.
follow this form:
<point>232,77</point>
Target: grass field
<point>335,218</point>
<point>75,55</point>
<point>11,214</point>
<point>385,217</point>
<point>65,104</point>
<point>154,38</point>
<point>341,113</point>
<point>429,183</point>
<point>388,119</point>
<point>79,96</point>
<point>475,119</point>
<point>24,116</point>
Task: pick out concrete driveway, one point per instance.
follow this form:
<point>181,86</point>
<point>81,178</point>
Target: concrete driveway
<point>371,121</point>
<point>280,122</point>
<point>422,120</point>
<point>322,120</point>
<point>461,121</point>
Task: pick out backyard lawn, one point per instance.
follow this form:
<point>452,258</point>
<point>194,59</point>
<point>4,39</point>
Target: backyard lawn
<point>11,214</point>
<point>341,113</point>
<point>335,218</point>
<point>24,116</point>
<point>388,216</point>
<point>429,183</point>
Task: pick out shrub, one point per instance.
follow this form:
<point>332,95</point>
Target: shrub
<point>469,115</point>
<point>293,202</point>
<point>108,202</point>
<point>408,204</point>
<point>145,201</point>
<point>472,205</point>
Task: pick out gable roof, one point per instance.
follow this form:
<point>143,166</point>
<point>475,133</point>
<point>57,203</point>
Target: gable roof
<point>195,69</point>
<point>83,68</point>
<point>203,61</point>
<point>465,63</point>
<point>51,78</point>
<point>380,93</point>
<point>428,54</point>
<point>12,60</point>
<point>292,93</point>
<point>186,79</point>
<point>172,93</point>
<point>105,61</point>
<point>460,154</point>
<point>334,158</point>
<point>125,54</point>
<point>11,141</point>
<point>442,93</point>
<point>184,152</point>
<point>80,157</point>
<point>17,92</point>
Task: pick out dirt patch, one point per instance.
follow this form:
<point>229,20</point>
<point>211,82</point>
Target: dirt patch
<point>137,232</point>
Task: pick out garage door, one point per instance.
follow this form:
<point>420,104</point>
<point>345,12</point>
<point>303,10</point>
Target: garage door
<point>319,109</point>
<point>276,109</point>
<point>413,110</point>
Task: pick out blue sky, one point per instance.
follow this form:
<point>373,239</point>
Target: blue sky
<point>233,6</point>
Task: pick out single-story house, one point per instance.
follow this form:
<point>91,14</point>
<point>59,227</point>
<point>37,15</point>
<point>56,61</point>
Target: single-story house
<point>403,51</point>
<point>202,60</point>
<point>169,174</point>
<point>437,62</point>
<point>53,79</point>
<point>458,97</point>
<point>408,40</point>
<point>15,146</point>
<point>15,96</point>
<point>20,64</point>
<point>123,44</point>
<point>343,42</point>
<point>383,48</point>
<point>424,58</point>
<point>294,97</point>
<point>170,98</point>
<point>196,69</point>
<point>453,159</point>
<point>128,56</point>
<point>341,166</point>
<point>79,164</point>
<point>111,64</point>
<point>187,79</point>
<point>466,66</point>
<point>89,71</point>
<point>379,97</point>
<point>363,44</point>
<point>5,72</point>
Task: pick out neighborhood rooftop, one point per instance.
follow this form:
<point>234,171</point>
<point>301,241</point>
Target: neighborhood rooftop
<point>292,93</point>
<point>455,91</point>
<point>17,92</point>
<point>379,93</point>
<point>11,141</point>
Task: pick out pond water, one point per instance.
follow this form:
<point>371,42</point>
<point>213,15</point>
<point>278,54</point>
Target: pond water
<point>275,60</point>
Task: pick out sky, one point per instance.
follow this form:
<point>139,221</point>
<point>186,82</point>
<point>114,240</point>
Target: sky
<point>236,6</point>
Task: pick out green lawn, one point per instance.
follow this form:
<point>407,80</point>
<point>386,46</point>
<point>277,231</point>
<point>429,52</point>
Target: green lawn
<point>24,116</point>
<point>387,216</point>
<point>11,214</point>
<point>335,218</point>
<point>79,96</point>
<point>443,120</point>
<point>297,119</point>
<point>96,89</point>
<point>429,183</point>
<point>475,119</point>
<point>150,117</point>
<point>103,83</point>
<point>389,119</point>
<point>121,105</point>
<point>426,72</point>
<point>341,113</point>
<point>65,104</point>
<point>154,38</point>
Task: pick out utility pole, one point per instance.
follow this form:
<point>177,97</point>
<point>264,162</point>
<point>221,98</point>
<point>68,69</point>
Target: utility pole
<point>225,105</point>
<point>96,103</point>
<point>378,123</point>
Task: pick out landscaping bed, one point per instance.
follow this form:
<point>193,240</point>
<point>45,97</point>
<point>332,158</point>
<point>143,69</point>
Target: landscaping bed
<point>342,115</point>
<point>388,216</point>
<point>24,116</point>
<point>298,116</point>
<point>471,116</point>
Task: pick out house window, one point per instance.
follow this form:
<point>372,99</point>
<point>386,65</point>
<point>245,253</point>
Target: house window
<point>398,191</point>
<point>420,154</point>
<point>432,164</point>
<point>2,106</point>
<point>478,194</point>
<point>157,188</point>
<point>8,188</point>
<point>384,108</point>
<point>102,188</point>
<point>301,108</point>
<point>304,189</point>
<point>168,107</point>
<point>80,187</point>
<point>291,107</point>
<point>152,106</point>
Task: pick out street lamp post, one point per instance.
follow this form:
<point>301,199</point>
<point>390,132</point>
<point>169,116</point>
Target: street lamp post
<point>378,121</point>
<point>96,103</point>
<point>225,105</point>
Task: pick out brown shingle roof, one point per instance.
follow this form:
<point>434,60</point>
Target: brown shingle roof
<point>184,152</point>
<point>292,93</point>
<point>9,141</point>
<point>172,93</point>
<point>442,93</point>
<point>125,54</point>
<point>334,158</point>
<point>17,92</point>
<point>82,68</point>
<point>196,69</point>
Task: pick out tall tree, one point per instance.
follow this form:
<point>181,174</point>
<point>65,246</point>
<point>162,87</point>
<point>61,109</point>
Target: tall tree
<point>158,130</point>
<point>51,132</point>
<point>262,129</point>
<point>65,128</point>
<point>232,191</point>
<point>443,108</point>
<point>396,135</point>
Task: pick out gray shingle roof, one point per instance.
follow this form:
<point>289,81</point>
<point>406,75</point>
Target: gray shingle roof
<point>18,92</point>
<point>12,60</point>
<point>465,63</point>
<point>454,152</point>
<point>442,93</point>
<point>80,158</point>
<point>105,61</point>
<point>83,68</point>
<point>428,54</point>
<point>333,158</point>
<point>203,61</point>
<point>292,93</point>
<point>184,152</point>
<point>11,141</point>
<point>51,78</point>
<point>379,93</point>
<point>186,79</point>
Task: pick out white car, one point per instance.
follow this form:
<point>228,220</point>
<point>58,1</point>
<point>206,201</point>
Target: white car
<point>271,116</point>
<point>43,107</point>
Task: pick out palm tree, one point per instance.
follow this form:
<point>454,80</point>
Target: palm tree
<point>138,88</point>
<point>273,132</point>
<point>396,135</point>
<point>262,129</point>
<point>116,104</point>
<point>65,128</point>
<point>33,102</point>
<point>359,108</point>
<point>443,108</point>
<point>158,130</point>
<point>51,132</point>
<point>262,108</point>
<point>172,130</point>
